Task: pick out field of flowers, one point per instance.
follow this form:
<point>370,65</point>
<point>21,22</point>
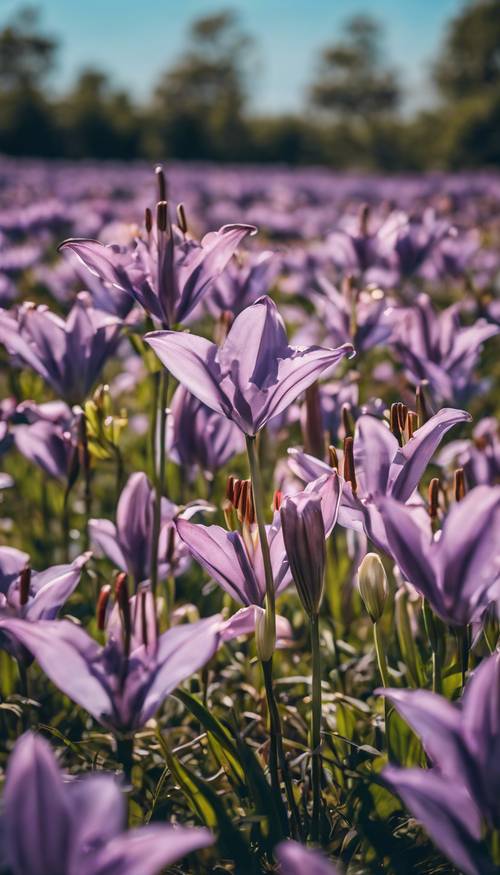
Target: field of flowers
<point>250,521</point>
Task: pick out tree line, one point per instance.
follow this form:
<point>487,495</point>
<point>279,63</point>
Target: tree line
<point>199,108</point>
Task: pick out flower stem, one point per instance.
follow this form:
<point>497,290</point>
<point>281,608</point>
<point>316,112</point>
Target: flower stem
<point>258,497</point>
<point>316,728</point>
<point>384,675</point>
<point>436,644</point>
<point>278,755</point>
<point>159,478</point>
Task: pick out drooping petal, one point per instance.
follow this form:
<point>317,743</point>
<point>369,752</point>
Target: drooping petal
<point>447,813</point>
<point>37,815</point>
<point>69,657</point>
<point>296,859</point>
<point>146,850</point>
<point>191,360</point>
<point>411,460</point>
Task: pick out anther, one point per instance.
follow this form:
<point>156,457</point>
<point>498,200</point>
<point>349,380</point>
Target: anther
<point>148,220</point>
<point>459,484</point>
<point>181,218</point>
<point>102,606</point>
<point>24,585</point>
<point>434,487</point>
<point>277,499</point>
<point>162,215</point>
<point>349,470</point>
<point>333,458</point>
<point>162,183</point>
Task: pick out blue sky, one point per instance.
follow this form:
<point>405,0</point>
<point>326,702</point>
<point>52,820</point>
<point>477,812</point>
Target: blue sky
<point>135,40</point>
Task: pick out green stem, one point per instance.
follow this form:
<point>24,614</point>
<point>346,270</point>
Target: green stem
<point>316,728</point>
<point>277,755</point>
<point>23,679</point>
<point>431,628</point>
<point>384,675</point>
<point>155,379</point>
<point>65,526</point>
<point>258,497</point>
<point>125,755</point>
<point>159,477</point>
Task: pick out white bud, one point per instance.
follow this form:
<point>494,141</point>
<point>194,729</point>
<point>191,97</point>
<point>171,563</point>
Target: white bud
<point>372,585</point>
<point>265,634</point>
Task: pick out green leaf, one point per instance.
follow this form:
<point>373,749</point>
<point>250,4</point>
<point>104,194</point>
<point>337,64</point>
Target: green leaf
<point>220,740</point>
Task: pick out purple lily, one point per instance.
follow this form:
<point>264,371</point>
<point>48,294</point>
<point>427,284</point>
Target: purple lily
<point>234,559</point>
<point>463,743</point>
<point>351,317</point>
<point>198,437</point>
<point>128,543</point>
<point>295,859</point>
<point>48,437</point>
<point>436,348</point>
<point>247,382</point>
<point>33,596</point>
<point>168,273</point>
<point>242,284</point>
<point>123,683</point>
<point>69,354</point>
<point>458,570</point>
<point>479,457</point>
<point>382,467</point>
<point>76,827</point>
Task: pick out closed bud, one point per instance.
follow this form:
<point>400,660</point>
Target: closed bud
<point>304,536</point>
<point>265,634</point>
<point>372,585</point>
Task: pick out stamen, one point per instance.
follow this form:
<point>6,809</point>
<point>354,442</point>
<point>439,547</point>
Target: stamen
<point>411,423</point>
<point>122,600</point>
<point>162,183</point>
<point>24,585</point>
<point>148,220</point>
<point>394,424</point>
<point>349,470</point>
<point>230,488</point>
<point>421,404</point>
<point>402,415</point>
<point>162,215</point>
<point>144,619</point>
<point>364,218</point>
<point>347,420</point>
<point>333,458</point>
<point>181,218</point>
<point>459,484</point>
<point>102,606</point>
<point>434,487</point>
<point>277,499</point>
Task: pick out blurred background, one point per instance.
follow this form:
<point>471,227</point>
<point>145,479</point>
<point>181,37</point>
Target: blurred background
<point>385,85</point>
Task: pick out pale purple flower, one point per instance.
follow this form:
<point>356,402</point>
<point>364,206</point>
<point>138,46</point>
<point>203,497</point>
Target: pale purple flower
<point>128,542</point>
<point>234,559</point>
<point>53,826</point>
<point>69,354</point>
<point>168,273</point>
<point>463,744</point>
<point>479,456</point>
<point>458,569</point>
<point>351,317</point>
<point>254,375</point>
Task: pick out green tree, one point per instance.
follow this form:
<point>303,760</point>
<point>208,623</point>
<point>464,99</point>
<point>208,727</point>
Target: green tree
<point>199,102</point>
<point>27,57</point>
<point>97,121</point>
<point>351,81</point>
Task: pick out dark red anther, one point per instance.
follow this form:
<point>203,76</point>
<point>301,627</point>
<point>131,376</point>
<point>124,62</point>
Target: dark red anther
<point>434,487</point>
<point>122,600</point>
<point>459,489</point>
<point>230,488</point>
<point>411,423</point>
<point>171,544</point>
<point>333,458</point>
<point>237,486</point>
<point>277,499</point>
<point>349,469</point>
<point>102,606</point>
<point>162,183</point>
<point>421,404</point>
<point>181,218</point>
<point>402,416</point>
<point>394,422</point>
<point>347,420</point>
<point>314,439</point>
<point>24,585</point>
<point>148,220</point>
<point>162,215</point>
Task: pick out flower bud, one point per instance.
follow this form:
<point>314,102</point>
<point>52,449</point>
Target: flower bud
<point>304,537</point>
<point>372,585</point>
<point>265,634</point>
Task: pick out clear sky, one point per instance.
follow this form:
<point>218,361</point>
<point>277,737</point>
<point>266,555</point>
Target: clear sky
<point>135,40</point>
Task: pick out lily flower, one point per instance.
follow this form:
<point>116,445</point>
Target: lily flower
<point>463,744</point>
<point>53,826</point>
<point>381,467</point>
<point>31,595</point>
<point>167,273</point>
<point>123,683</point>
<point>69,354</point>
<point>247,382</point>
<point>458,569</point>
<point>353,317</point>
<point>234,559</point>
<point>436,348</point>
<point>128,542</point>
